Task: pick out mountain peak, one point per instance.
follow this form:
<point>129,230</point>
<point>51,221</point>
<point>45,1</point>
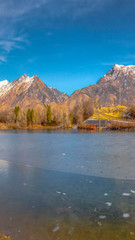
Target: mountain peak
<point>25,79</point>
<point>25,75</point>
<point>3,83</point>
<point>28,91</point>
<point>123,66</point>
<point>117,66</point>
<point>116,69</point>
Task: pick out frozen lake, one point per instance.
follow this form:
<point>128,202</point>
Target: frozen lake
<point>67,185</point>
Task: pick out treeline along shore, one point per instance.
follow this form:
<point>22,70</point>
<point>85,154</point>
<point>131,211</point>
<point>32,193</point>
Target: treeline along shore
<point>47,117</point>
<point>84,116</point>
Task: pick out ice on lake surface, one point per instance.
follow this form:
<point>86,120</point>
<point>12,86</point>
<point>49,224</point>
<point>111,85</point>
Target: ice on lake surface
<point>44,195</point>
<point>108,155</point>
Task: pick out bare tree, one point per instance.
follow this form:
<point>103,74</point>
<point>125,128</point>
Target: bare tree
<point>81,112</point>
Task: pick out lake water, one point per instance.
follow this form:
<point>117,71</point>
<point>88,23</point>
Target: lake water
<point>67,185</point>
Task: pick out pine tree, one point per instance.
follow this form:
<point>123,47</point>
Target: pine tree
<point>16,112</point>
<point>28,117</point>
<point>71,118</point>
<point>49,115</point>
<point>54,120</point>
<point>32,116</point>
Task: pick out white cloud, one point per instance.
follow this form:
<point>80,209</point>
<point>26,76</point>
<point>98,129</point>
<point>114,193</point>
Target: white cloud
<point>11,12</point>
<point>14,13</point>
<point>17,8</point>
<point>53,8</point>
<point>2,59</point>
<point>7,45</point>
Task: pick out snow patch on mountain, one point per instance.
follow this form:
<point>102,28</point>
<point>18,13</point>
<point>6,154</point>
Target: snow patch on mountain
<point>23,80</point>
<point>5,89</point>
<point>3,83</point>
<point>55,89</point>
<point>52,88</point>
<point>123,66</point>
<point>25,86</point>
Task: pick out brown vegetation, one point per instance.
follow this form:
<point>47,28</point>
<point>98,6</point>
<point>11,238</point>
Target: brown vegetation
<point>82,112</point>
<point>48,115</point>
<point>131,112</point>
<point>3,237</point>
<point>121,126</point>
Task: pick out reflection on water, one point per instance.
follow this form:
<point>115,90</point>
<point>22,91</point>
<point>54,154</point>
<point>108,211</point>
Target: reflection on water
<point>67,203</point>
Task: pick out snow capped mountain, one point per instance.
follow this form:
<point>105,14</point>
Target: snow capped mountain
<point>3,83</point>
<point>119,75</point>
<point>117,87</point>
<point>28,92</point>
<point>23,80</point>
<point>123,66</point>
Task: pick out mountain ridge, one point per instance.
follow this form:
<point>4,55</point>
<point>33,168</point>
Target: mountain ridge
<point>28,92</point>
<point>116,87</point>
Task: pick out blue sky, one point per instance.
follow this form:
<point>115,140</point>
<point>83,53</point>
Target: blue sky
<point>69,44</point>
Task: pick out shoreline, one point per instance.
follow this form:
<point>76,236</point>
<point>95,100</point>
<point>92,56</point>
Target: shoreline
<point>120,126</point>
<point>4,126</point>
<point>82,130</point>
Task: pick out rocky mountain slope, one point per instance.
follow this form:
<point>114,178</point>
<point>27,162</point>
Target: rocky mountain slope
<point>28,92</point>
<point>117,87</point>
